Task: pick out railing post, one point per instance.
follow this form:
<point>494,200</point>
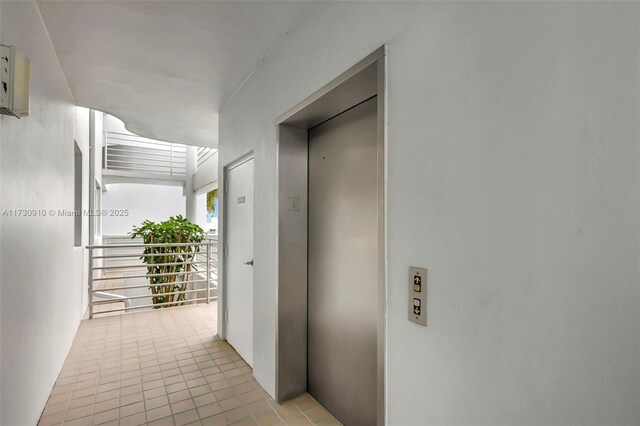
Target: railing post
<point>208,280</point>
<point>105,157</point>
<point>90,282</point>
<point>171,159</point>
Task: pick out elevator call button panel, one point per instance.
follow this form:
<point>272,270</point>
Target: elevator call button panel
<point>418,295</point>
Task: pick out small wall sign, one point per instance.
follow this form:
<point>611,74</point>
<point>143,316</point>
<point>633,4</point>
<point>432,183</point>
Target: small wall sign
<point>293,204</point>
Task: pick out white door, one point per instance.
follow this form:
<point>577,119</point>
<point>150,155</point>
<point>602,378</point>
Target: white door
<point>239,277</point>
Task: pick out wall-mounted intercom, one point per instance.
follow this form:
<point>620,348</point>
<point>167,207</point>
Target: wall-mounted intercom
<point>14,82</point>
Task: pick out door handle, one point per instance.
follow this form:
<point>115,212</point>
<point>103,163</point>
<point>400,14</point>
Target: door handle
<point>250,263</point>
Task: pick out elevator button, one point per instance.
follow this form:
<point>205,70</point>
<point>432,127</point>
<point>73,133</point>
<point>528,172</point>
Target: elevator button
<point>417,283</point>
<point>416,306</point>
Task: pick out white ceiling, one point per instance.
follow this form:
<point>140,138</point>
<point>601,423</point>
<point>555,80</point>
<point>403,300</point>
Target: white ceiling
<point>164,67</point>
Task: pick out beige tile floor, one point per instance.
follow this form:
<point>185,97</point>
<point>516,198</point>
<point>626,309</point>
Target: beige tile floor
<point>165,367</point>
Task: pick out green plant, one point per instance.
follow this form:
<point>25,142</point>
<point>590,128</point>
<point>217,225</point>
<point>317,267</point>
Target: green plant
<point>174,262</point>
<point>211,200</point>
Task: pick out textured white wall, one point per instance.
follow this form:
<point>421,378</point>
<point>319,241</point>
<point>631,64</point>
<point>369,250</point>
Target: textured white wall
<point>1,121</point>
<point>98,131</point>
<point>512,174</point>
<point>96,157</point>
<point>41,271</point>
<point>207,173</point>
<point>152,202</point>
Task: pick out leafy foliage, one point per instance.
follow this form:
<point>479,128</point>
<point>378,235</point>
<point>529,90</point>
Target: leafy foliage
<point>173,262</point>
<point>211,200</point>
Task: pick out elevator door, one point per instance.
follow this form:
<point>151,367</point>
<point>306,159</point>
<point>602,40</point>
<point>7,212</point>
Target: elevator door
<point>343,279</point>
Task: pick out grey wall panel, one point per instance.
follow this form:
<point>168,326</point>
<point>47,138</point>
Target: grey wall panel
<point>292,263</point>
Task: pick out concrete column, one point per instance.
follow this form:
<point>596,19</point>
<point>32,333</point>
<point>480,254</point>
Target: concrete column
<point>190,196</point>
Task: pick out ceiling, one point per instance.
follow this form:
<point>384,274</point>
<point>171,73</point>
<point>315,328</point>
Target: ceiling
<point>165,67</point>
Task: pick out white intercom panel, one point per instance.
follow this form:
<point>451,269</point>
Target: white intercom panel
<point>418,295</point>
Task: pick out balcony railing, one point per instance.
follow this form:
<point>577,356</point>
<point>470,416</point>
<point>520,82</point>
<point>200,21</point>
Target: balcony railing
<point>119,280</point>
<point>131,153</point>
<point>204,154</point>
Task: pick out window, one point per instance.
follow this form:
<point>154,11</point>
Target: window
<point>77,196</point>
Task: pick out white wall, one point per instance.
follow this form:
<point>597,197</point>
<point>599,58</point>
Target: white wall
<point>97,135</point>
<point>81,263</point>
<point>114,124</point>
<point>512,174</point>
<point>207,172</point>
<point>41,270</point>
<point>1,204</point>
<point>204,180</point>
<point>152,202</point>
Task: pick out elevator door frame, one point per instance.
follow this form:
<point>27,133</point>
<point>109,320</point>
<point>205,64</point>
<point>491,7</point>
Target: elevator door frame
<point>360,82</point>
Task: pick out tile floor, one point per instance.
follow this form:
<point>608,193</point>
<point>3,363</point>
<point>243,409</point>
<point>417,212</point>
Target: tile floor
<point>165,367</point>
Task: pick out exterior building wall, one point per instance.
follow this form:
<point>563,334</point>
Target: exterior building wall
<point>129,204</point>
<point>207,174</point>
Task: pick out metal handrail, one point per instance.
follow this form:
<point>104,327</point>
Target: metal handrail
<point>152,306</point>
<point>128,152</point>
<point>154,285</point>
<point>201,278</point>
<point>111,297</point>
<point>96,268</point>
<point>128,300</point>
<point>135,245</point>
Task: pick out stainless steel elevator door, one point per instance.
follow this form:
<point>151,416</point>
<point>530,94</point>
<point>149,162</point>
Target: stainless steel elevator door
<point>343,270</point>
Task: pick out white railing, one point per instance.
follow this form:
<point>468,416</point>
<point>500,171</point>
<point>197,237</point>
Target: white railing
<point>127,152</point>
<point>174,274</point>
<point>204,154</point>
<point>111,296</point>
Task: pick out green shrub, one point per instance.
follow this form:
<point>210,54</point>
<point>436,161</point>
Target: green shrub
<point>173,260</point>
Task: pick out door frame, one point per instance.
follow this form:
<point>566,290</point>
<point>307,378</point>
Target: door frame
<point>348,89</point>
<point>222,287</point>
